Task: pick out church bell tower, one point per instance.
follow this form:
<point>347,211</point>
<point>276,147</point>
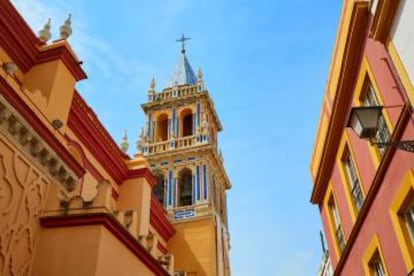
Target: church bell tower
<point>179,141</point>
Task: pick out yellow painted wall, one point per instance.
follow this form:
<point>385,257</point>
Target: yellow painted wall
<point>194,247</point>
<point>84,251</point>
<point>115,259</point>
<point>67,251</point>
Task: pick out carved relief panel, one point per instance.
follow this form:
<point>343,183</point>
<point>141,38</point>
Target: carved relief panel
<point>23,192</point>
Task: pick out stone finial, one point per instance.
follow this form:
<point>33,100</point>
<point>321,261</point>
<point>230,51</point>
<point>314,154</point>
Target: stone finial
<point>66,29</point>
<point>124,144</point>
<point>200,82</point>
<point>221,156</point>
<point>44,34</point>
<point>141,141</point>
<point>199,74</point>
<point>151,90</point>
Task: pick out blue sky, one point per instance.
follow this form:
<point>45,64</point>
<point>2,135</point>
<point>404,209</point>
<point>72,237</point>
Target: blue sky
<point>265,64</point>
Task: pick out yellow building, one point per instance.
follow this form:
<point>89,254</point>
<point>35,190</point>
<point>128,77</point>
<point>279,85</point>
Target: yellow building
<point>72,202</point>
<point>180,143</point>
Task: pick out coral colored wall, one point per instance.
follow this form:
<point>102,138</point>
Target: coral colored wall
<point>378,220</point>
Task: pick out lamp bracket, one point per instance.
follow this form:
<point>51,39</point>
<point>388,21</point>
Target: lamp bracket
<point>402,145</point>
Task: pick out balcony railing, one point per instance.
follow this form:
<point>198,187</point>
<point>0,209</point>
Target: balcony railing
<point>174,93</point>
<point>340,237</point>
<point>185,212</point>
<point>179,143</point>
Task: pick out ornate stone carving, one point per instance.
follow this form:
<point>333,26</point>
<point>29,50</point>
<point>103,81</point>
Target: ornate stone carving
<point>18,131</point>
<point>23,193</point>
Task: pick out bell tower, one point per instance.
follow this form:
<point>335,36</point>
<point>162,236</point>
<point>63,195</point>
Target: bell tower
<point>179,141</point>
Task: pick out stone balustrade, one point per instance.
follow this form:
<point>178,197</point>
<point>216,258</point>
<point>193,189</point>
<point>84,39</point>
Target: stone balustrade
<point>174,93</point>
<point>185,212</point>
<point>172,144</point>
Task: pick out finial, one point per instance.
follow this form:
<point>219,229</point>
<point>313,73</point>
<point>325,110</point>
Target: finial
<point>124,144</point>
<point>221,156</point>
<point>183,39</point>
<point>152,84</point>
<point>66,29</point>
<point>199,74</point>
<point>44,34</point>
<point>141,141</point>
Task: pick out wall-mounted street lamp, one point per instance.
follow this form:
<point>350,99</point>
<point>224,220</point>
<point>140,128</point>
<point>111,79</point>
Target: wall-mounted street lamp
<point>364,121</point>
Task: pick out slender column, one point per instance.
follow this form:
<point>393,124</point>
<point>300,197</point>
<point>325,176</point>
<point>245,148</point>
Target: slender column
<point>211,199</point>
<point>169,188</point>
<point>173,121</point>
<point>175,190</point>
<point>149,123</point>
<point>177,128</point>
<point>198,113</point>
<point>169,129</point>
<point>193,188</point>
<point>154,132</point>
<point>205,183</point>
<point>198,195</point>
<point>194,124</point>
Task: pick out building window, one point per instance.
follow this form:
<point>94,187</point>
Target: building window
<point>185,188</point>
<point>355,186</point>
<point>339,233</point>
<point>373,259</point>
<point>162,128</point>
<point>187,122</point>
<point>383,133</point>
<point>159,188</point>
<point>375,265</point>
<point>409,220</point>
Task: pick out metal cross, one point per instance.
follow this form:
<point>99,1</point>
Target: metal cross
<point>183,39</point>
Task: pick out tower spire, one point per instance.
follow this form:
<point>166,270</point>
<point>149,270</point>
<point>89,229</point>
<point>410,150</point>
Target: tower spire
<point>183,39</point>
<point>183,73</point>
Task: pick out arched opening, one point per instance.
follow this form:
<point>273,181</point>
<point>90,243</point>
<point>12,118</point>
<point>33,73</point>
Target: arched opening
<point>162,128</point>
<point>158,189</point>
<point>185,185</point>
<point>187,122</point>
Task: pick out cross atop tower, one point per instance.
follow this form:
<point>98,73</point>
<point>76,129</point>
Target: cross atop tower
<point>183,39</point>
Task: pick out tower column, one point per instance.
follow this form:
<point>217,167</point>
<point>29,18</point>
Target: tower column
<point>205,183</point>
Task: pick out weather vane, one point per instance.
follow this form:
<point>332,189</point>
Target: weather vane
<point>183,39</point>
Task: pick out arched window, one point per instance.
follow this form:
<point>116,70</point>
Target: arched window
<point>162,128</point>
<point>158,189</point>
<point>185,184</point>
<point>187,122</point>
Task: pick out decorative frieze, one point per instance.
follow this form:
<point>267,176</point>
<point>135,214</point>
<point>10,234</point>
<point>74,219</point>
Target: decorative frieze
<point>24,137</point>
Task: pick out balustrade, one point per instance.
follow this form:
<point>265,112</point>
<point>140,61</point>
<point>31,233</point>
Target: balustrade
<point>179,143</point>
<point>171,93</point>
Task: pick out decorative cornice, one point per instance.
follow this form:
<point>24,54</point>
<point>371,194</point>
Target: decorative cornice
<point>176,101</point>
<point>201,149</point>
<point>144,172</point>
<point>23,136</point>
<point>158,220</point>
<point>62,51</point>
<point>162,248</point>
<point>353,53</point>
<point>113,226</point>
<point>86,126</point>
<point>38,129</point>
<point>26,50</point>
<point>383,18</point>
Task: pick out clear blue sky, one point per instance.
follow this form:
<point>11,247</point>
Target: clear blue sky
<point>265,64</point>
